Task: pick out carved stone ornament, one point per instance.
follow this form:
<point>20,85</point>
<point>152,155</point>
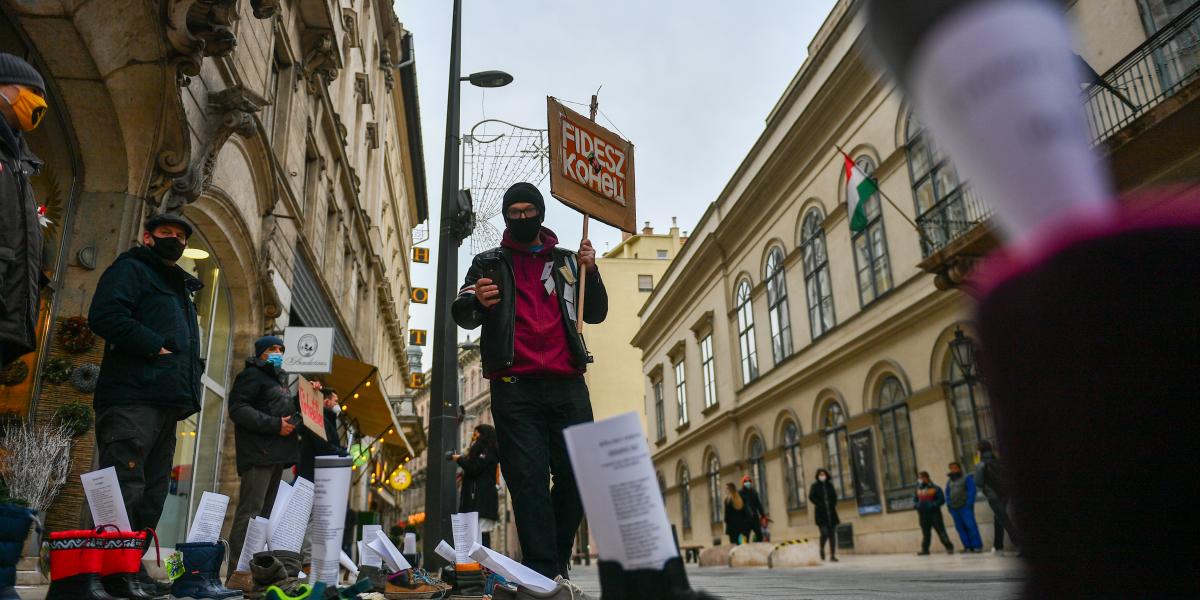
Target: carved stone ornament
<point>229,111</point>
<point>321,62</point>
<point>265,9</point>
<point>200,28</point>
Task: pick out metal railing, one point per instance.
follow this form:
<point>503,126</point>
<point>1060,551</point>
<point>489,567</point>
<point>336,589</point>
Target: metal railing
<point>1160,67</point>
<point>951,217</point>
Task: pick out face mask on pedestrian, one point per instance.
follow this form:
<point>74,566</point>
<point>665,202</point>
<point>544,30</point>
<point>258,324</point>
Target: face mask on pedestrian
<point>524,231</point>
<point>746,485</point>
<point>821,478</point>
<point>337,408</point>
<point>955,474</point>
<point>167,248</point>
<point>276,359</point>
<point>29,108</point>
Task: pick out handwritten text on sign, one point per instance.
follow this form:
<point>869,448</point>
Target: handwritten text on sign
<point>591,167</point>
<point>312,409</point>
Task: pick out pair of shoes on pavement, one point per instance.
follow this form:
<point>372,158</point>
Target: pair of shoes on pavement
<point>415,584</point>
<point>564,589</point>
<point>276,568</point>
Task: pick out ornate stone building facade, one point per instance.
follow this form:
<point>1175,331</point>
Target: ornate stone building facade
<point>780,341</point>
<point>289,133</point>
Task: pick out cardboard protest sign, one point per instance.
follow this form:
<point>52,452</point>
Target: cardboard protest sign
<point>312,408</point>
<point>591,168</point>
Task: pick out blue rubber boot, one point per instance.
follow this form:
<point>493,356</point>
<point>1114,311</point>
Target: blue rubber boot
<point>201,578</point>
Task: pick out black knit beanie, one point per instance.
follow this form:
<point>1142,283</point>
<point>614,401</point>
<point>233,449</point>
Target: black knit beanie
<point>524,192</point>
<point>14,69</point>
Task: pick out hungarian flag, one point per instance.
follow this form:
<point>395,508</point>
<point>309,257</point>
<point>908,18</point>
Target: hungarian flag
<point>860,188</point>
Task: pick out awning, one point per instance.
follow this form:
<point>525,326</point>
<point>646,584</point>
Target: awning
<point>364,403</point>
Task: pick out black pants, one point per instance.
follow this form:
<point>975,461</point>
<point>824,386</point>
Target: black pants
<point>1001,523</point>
<point>530,415</point>
<point>256,498</point>
<point>829,534</point>
<point>139,441</point>
<point>932,519</point>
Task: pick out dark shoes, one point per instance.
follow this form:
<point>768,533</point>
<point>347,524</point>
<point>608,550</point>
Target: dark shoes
<point>126,585</point>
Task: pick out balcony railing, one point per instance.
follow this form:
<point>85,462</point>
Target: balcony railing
<point>952,217</point>
<point>1160,67</point>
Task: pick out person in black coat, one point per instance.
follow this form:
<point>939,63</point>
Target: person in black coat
<point>479,481</point>
<point>823,498</point>
<point>22,107</point>
<point>754,506</point>
<point>312,445</point>
<point>737,515</point>
<point>150,374</point>
<point>261,409</point>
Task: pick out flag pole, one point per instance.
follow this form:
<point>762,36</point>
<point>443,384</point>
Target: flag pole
<point>879,190</point>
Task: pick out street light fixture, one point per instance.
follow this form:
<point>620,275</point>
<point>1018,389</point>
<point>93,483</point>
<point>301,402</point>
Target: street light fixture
<point>962,349</point>
<point>440,497</point>
<point>488,79</point>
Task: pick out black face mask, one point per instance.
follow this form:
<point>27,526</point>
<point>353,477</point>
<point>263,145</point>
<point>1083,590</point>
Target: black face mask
<point>167,248</point>
<point>955,475</point>
<point>524,231</point>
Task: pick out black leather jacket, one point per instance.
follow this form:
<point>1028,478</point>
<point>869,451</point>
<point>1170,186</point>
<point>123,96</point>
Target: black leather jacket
<point>496,340</point>
<point>20,247</point>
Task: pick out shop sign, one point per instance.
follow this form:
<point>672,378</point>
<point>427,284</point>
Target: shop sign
<point>862,465</point>
<point>312,408</point>
<point>420,255</point>
<point>591,168</point>
<point>308,349</point>
<point>420,295</point>
<point>416,337</point>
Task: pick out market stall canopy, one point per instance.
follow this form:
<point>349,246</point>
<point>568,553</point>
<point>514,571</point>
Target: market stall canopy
<point>365,403</point>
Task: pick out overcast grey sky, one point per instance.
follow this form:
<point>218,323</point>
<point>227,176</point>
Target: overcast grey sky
<point>689,83</point>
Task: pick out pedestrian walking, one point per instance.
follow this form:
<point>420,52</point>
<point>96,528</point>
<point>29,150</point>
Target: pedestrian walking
<point>930,499</point>
<point>960,501</point>
<point>754,505</point>
<point>149,376</point>
<point>989,479</point>
<point>737,516</point>
<point>23,106</point>
<point>480,479</point>
<point>525,296</point>
<point>264,435</point>
<point>824,497</point>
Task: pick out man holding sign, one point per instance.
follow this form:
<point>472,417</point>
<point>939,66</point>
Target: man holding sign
<point>525,295</point>
<point>264,434</point>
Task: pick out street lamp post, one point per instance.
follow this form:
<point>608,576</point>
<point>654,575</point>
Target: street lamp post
<point>962,350</point>
<point>440,496</point>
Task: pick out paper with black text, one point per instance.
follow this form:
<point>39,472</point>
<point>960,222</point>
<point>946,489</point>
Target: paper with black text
<point>366,556</point>
<point>331,484</point>
<point>466,534</point>
<point>511,569</point>
<point>288,532</point>
<point>281,499</point>
<point>410,543</point>
<point>256,541</point>
<point>104,498</point>
<point>390,553</point>
<point>620,492</point>
<point>446,551</point>
<point>210,516</point>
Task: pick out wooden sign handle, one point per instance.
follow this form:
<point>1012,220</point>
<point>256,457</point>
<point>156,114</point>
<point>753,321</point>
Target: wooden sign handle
<point>582,284</point>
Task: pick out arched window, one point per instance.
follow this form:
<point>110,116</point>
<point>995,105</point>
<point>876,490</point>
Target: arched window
<point>685,496</point>
<point>817,286</point>
<point>745,318</point>
<point>899,459</point>
<point>793,468</point>
<point>837,449</point>
<point>777,306</point>
<point>937,190</point>
<point>870,247</point>
<point>758,468</point>
<point>714,488</point>
<point>972,414</point>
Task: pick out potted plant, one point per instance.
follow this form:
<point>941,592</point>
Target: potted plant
<point>34,463</point>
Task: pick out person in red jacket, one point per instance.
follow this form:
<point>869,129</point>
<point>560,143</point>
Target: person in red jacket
<point>525,295</point>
